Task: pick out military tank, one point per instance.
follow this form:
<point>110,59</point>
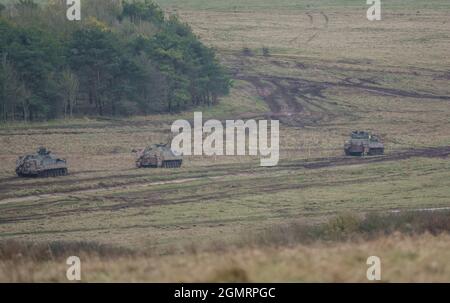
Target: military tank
<point>158,156</point>
<point>363,143</point>
<point>42,164</point>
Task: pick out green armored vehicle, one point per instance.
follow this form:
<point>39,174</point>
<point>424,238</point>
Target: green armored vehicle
<point>363,143</point>
<point>158,156</point>
<point>42,164</point>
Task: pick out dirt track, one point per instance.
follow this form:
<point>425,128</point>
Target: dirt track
<point>224,172</point>
<point>298,102</point>
<point>287,96</point>
<point>291,101</point>
<point>432,152</point>
<point>229,188</point>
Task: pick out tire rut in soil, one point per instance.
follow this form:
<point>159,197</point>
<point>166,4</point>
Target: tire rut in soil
<point>434,152</point>
<point>155,199</point>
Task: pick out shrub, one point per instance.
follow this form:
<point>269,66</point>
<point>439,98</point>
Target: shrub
<point>348,226</point>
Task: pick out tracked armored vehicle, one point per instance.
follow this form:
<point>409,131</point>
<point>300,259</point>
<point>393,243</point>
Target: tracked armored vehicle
<point>42,164</point>
<point>363,143</point>
<point>158,156</point>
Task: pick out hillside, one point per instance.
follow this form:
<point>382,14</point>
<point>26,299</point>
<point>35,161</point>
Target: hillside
<point>323,70</point>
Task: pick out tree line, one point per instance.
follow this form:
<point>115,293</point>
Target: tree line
<point>123,58</point>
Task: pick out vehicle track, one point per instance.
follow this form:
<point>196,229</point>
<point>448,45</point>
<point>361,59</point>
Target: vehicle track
<point>155,199</point>
<point>282,96</point>
<point>432,152</point>
<point>299,102</point>
<point>315,26</point>
<point>316,87</point>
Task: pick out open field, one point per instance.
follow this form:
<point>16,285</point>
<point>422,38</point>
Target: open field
<point>163,212</point>
<point>330,71</point>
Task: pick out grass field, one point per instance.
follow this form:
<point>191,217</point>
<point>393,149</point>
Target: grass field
<point>412,246</point>
<point>330,71</point>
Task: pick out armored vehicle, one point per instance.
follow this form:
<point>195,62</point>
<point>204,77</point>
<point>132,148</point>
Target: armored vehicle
<point>158,156</point>
<point>363,143</point>
<point>42,164</point>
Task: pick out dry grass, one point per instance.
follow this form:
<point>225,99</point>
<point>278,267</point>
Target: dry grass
<point>413,247</point>
<point>351,227</point>
<point>15,251</point>
<point>404,259</point>
<point>400,39</point>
